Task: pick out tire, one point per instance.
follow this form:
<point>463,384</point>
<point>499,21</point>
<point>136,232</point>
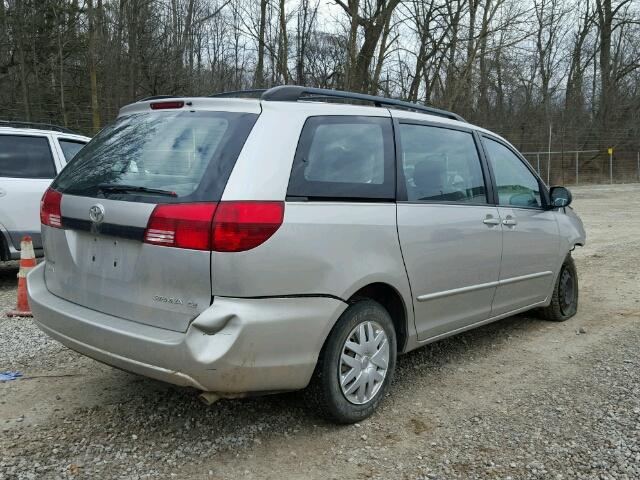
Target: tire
<point>564,302</point>
<point>341,404</point>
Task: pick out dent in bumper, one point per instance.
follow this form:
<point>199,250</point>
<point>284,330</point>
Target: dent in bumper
<point>235,346</point>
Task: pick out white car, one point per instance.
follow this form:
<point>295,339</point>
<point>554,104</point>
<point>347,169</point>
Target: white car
<point>31,155</point>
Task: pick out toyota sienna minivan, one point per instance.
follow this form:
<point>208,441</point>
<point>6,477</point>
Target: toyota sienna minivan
<point>306,237</point>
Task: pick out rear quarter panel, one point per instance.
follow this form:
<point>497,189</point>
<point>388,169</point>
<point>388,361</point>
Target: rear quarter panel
<point>323,247</point>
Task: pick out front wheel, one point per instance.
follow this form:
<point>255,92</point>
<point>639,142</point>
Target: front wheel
<point>564,302</point>
<point>357,363</point>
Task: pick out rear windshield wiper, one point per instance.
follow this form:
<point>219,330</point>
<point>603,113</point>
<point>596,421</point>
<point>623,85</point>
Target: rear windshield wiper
<point>113,187</point>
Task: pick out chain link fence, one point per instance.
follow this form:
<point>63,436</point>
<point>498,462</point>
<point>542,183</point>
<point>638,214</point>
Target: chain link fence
<point>586,166</point>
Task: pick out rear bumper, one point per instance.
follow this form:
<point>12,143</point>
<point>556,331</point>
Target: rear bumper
<point>236,346</point>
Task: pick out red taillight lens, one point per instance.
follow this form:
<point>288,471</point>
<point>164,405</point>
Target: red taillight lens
<point>166,105</point>
<point>186,225</point>
<point>50,208</point>
<point>222,227</point>
<point>240,226</point>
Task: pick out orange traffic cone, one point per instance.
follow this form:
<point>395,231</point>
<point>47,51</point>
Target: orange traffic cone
<point>27,262</point>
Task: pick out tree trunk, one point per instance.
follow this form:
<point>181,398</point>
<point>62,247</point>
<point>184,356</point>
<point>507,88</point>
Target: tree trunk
<point>183,42</point>
<point>467,92</point>
<point>93,14</point>
<point>354,12</point>
<point>360,78</point>
<point>22,60</point>
<point>63,109</point>
<point>382,53</point>
<point>420,65</point>
<point>283,46</point>
<point>259,77</point>
<point>305,23</point>
<point>451,86</point>
<point>574,99</point>
<point>605,23</point>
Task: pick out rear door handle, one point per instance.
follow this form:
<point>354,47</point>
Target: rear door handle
<point>490,220</point>
<point>509,221</point>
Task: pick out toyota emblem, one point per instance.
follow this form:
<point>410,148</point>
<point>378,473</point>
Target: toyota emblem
<point>96,213</point>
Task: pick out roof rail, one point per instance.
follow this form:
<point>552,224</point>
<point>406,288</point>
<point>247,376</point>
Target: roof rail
<point>293,93</point>
<point>256,92</point>
<point>35,125</point>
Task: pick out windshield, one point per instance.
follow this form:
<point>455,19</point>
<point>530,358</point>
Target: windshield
<point>181,156</point>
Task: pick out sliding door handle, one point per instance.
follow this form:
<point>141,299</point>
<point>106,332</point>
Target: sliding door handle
<point>509,221</point>
<point>490,220</point>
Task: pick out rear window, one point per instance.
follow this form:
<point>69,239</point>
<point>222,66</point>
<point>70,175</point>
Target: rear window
<point>179,156</point>
<point>70,148</point>
<point>22,156</point>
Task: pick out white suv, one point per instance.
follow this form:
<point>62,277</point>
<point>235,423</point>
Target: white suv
<point>31,155</point>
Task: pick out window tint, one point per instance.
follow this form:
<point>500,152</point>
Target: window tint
<point>70,148</point>
<point>344,157</point>
<point>25,157</point>
<point>188,153</point>
<point>441,164</point>
<point>517,186</point>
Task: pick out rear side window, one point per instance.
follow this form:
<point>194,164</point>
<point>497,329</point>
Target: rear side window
<point>344,157</point>
<point>180,156</point>
<point>70,148</point>
<point>441,165</point>
<point>23,156</point>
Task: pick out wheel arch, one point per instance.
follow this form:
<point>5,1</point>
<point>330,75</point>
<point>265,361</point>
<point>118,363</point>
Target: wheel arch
<point>391,299</point>
<point>5,253</point>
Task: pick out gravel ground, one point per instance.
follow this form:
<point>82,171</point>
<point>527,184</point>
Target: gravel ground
<point>520,398</point>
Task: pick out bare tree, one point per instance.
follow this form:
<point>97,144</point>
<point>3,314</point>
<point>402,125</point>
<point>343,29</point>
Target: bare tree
<point>372,18</point>
<point>92,16</point>
<point>510,65</point>
<point>261,43</point>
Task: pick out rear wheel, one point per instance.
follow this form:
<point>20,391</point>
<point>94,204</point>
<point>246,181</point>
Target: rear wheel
<point>564,302</point>
<point>357,363</point>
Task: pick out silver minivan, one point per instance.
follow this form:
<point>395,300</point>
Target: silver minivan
<point>306,237</point>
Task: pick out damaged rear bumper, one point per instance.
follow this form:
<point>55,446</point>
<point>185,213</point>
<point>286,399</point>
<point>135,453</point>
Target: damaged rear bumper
<point>236,346</point>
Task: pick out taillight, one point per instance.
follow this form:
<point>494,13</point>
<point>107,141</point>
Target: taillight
<point>240,226</point>
<point>166,105</point>
<point>186,225</point>
<point>50,208</point>
<point>222,227</point>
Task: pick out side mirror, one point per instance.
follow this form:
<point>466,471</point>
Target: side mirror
<point>560,197</point>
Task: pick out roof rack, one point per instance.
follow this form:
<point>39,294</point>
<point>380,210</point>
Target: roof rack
<point>293,93</point>
<point>256,92</point>
<point>35,125</point>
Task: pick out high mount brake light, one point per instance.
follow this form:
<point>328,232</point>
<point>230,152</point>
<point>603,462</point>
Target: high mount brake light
<point>166,105</point>
<point>50,208</point>
<point>234,226</point>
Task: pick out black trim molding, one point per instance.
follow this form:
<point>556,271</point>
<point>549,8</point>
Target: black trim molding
<point>110,229</point>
